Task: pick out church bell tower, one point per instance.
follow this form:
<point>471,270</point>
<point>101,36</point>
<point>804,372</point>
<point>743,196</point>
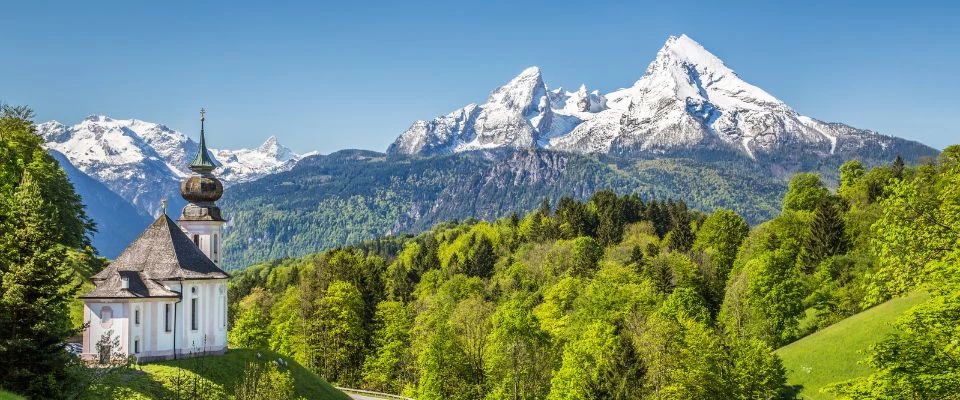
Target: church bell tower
<point>201,219</point>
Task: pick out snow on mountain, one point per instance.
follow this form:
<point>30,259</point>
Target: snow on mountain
<point>144,162</point>
<point>519,114</point>
<point>687,100</point>
<point>248,164</point>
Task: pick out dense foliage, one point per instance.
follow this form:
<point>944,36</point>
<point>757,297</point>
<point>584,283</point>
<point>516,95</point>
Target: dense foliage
<point>916,237</point>
<point>617,297</point>
<point>614,297</point>
<point>44,258</point>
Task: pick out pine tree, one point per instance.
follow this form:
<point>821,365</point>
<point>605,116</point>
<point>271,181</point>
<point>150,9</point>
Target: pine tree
<point>898,167</point>
<point>35,293</point>
<point>681,237</point>
<point>610,221</point>
<point>41,223</point>
<point>827,236</point>
<point>481,261</point>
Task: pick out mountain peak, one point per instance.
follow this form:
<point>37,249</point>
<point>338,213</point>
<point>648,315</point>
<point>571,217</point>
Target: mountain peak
<point>685,50</point>
<point>533,71</point>
<point>270,144</point>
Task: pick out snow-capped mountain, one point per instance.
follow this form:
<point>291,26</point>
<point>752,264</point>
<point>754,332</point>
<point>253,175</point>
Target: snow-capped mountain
<point>144,162</point>
<point>687,100</point>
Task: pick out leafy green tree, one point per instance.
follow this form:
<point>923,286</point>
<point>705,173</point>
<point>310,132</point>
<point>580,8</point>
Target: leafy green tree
<point>919,223</point>
<point>765,301</point>
<point>288,325</point>
<point>470,321</point>
<point>720,236</point>
<point>339,341</point>
<point>389,367</point>
<point>804,192</point>
<point>686,303</point>
<point>518,361</point>
<point>250,330</point>
<point>585,363</point>
<point>718,241</point>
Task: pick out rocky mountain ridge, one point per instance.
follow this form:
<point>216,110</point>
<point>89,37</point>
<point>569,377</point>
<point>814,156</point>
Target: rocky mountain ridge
<point>687,101</point>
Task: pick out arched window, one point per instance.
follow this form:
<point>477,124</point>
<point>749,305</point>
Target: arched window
<point>106,317</point>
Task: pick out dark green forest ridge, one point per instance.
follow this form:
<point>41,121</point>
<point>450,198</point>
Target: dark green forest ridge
<point>354,195</point>
<point>618,297</point>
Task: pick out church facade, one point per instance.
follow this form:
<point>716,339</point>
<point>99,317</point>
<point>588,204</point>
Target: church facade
<point>165,295</point>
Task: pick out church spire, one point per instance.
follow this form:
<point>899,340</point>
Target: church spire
<point>202,162</point>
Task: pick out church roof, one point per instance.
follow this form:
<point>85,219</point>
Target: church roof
<point>138,287</point>
<point>162,252</point>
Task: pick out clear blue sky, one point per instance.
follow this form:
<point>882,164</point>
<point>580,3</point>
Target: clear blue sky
<point>356,74</point>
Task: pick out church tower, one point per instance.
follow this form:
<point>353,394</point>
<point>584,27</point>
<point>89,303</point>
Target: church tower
<point>201,218</point>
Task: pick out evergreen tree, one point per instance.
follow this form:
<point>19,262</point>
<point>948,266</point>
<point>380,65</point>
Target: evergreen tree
<point>610,218</point>
<point>898,167</point>
<point>41,223</point>
<point>827,237</point>
<point>481,260</point>
<point>681,237</point>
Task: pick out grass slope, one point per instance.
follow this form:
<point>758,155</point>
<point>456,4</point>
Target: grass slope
<point>5,395</point>
<point>831,355</point>
<point>155,380</point>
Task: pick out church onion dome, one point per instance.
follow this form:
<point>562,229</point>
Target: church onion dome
<point>203,187</point>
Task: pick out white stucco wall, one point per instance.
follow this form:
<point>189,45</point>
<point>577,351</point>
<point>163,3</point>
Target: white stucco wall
<point>209,236</point>
<point>155,341</point>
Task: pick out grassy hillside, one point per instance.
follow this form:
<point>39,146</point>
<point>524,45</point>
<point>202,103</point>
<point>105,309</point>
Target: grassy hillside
<point>5,395</point>
<point>155,380</point>
<point>831,355</point>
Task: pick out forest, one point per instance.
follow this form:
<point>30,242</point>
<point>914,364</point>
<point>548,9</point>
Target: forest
<point>622,297</point>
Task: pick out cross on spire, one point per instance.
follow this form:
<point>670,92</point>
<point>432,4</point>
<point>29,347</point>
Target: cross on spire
<point>163,205</point>
<point>202,162</point>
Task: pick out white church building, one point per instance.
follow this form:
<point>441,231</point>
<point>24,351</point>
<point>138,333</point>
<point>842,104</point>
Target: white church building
<point>165,295</point>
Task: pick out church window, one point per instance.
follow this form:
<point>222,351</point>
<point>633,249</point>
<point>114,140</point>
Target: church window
<point>106,317</point>
<point>215,246</point>
<point>196,240</point>
<point>166,317</point>
<point>136,346</point>
<point>193,314</point>
<point>136,316</point>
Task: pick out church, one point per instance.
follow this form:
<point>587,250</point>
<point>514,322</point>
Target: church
<point>165,295</point>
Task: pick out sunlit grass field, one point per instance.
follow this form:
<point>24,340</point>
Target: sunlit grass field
<point>832,354</point>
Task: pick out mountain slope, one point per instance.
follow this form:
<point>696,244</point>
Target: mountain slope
<point>832,354</point>
<point>687,101</point>
<point>118,221</point>
<point>352,195</point>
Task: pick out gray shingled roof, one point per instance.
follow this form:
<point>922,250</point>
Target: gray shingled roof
<point>138,287</point>
<point>162,252</point>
